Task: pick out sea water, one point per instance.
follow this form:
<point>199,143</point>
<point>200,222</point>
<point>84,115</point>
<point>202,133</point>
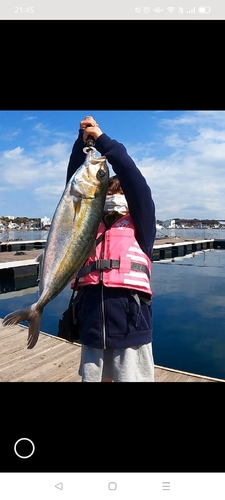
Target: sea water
<point>182,233</point>
<point>188,312</point>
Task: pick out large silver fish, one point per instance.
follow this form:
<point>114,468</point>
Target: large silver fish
<point>70,241</point>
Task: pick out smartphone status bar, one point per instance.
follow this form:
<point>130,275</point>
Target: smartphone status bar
<point>117,10</point>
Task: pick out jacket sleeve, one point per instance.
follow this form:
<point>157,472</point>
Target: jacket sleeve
<point>135,188</point>
<point>77,156</point>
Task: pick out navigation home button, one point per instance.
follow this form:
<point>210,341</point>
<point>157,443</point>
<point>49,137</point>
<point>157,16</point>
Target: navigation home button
<point>24,448</point>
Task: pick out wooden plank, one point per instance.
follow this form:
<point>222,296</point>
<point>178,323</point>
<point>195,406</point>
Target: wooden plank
<point>172,375</point>
<point>52,359</point>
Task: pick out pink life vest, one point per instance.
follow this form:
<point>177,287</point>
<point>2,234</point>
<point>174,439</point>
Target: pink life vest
<point>118,261</point>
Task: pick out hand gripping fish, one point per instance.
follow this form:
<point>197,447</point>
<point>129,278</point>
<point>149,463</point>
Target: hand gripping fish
<point>70,240</point>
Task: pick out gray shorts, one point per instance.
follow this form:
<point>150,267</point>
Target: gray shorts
<point>130,364</point>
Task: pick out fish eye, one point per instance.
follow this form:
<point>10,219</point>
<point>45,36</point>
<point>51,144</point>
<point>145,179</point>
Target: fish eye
<point>101,173</point>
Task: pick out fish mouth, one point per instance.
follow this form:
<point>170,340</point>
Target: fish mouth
<point>95,161</point>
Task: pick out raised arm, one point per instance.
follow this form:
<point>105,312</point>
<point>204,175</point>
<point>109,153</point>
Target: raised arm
<point>134,185</point>
<point>77,156</point>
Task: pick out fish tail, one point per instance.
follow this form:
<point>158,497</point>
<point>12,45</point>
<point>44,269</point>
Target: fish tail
<point>33,315</point>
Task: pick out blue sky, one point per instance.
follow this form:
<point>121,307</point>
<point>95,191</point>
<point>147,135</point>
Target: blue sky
<point>180,153</point>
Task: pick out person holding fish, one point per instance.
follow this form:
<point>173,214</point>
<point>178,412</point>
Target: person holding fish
<point>115,312</point>
<point>102,232</point>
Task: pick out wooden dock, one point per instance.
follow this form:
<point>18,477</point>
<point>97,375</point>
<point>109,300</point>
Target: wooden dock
<point>51,360</point>
<point>56,360</point>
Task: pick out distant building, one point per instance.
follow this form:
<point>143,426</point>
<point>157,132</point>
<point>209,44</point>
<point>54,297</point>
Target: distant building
<point>169,224</point>
<point>12,225</point>
<point>46,222</point>
<point>178,223</point>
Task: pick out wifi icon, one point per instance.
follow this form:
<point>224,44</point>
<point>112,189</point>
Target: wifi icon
<point>170,9</point>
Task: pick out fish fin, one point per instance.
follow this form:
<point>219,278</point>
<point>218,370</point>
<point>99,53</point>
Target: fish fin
<point>16,317</point>
<point>34,329</point>
<point>30,314</point>
<point>77,205</point>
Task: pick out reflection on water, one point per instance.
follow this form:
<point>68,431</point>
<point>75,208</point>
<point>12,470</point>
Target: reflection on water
<point>186,233</point>
<point>23,235</point>
<point>188,312</point>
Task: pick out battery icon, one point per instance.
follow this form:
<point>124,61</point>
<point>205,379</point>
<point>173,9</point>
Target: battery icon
<point>204,10</point>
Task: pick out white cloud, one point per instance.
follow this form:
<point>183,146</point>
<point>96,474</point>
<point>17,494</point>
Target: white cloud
<point>192,177</point>
<point>20,169</point>
<point>42,129</point>
<point>29,118</point>
<point>140,149</point>
<point>57,150</point>
<point>10,136</point>
<point>13,153</point>
<point>195,119</point>
<point>174,141</point>
<point>50,190</point>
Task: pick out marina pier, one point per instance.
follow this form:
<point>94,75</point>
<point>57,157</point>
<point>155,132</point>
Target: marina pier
<point>17,258</point>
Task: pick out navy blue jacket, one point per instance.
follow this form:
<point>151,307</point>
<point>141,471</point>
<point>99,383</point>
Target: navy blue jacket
<point>111,317</point>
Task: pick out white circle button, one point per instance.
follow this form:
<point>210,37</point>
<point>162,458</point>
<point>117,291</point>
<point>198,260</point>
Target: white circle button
<point>32,448</point>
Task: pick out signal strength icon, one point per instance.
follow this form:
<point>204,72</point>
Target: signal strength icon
<point>191,11</point>
<point>170,9</point>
